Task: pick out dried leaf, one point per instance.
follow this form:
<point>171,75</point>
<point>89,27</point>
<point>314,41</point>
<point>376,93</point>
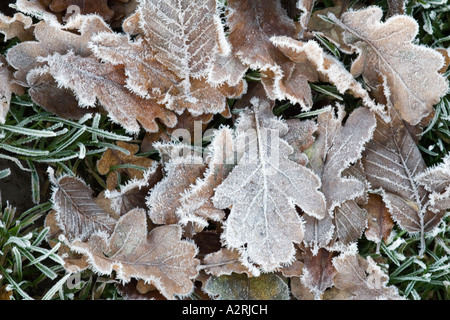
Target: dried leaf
<point>380,222</point>
<point>19,26</point>
<point>113,157</point>
<point>281,78</point>
<point>92,81</point>
<point>180,172</point>
<point>241,287</point>
<point>300,137</point>
<point>132,195</point>
<point>77,214</point>
<point>159,257</point>
<point>99,7</point>
<point>224,262</point>
<point>7,88</point>
<point>196,203</point>
<point>318,271</point>
<point>185,35</point>
<point>396,7</point>
<point>362,279</point>
<point>263,189</point>
<point>328,68</point>
<point>386,53</point>
<point>391,161</point>
<point>306,6</point>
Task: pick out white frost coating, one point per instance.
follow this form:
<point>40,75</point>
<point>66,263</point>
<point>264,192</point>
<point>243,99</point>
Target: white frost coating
<point>328,66</point>
<point>386,48</point>
<point>263,223</point>
<point>185,34</point>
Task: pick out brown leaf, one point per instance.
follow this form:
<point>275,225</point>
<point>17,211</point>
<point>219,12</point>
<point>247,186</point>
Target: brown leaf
<point>77,214</point>
<point>391,161</point>
<point>445,53</point>
<point>362,279</point>
<point>99,7</point>
<point>380,223</point>
<point>386,53</point>
<point>318,271</point>
<point>180,172</point>
<point>139,290</point>
<point>196,203</point>
<point>113,157</point>
<point>396,7</point>
<point>7,88</point>
<point>19,26</point>
<point>159,257</point>
<point>224,262</point>
<point>6,294</point>
<point>132,195</point>
<point>92,81</point>
<point>185,36</point>
<point>281,77</point>
<point>300,137</point>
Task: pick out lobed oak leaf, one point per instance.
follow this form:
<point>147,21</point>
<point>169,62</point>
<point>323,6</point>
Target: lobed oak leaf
<point>196,203</point>
<point>281,77</point>
<point>112,158</point>
<point>306,6</point>
<point>335,149</point>
<point>77,214</point>
<point>92,81</point>
<point>386,53</point>
<point>99,7</point>
<point>328,68</point>
<point>241,287</point>
<point>180,172</point>
<point>300,137</point>
<point>391,161</point>
<point>132,195</point>
<point>224,262</point>
<point>159,257</point>
<point>362,279</point>
<point>19,26</point>
<point>185,36</point>
<point>263,190</point>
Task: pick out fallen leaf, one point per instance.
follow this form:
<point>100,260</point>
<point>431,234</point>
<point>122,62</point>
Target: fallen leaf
<point>19,26</point>
<point>380,223</point>
<point>77,214</point>
<point>263,189</point>
<point>107,165</point>
<point>362,279</point>
<point>241,287</point>
<point>386,53</point>
<point>224,262</point>
<point>7,89</point>
<point>158,257</point>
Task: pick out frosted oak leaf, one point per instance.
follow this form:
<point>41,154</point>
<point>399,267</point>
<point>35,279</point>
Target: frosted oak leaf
<point>386,53</point>
<point>159,257</point>
<point>263,190</point>
<point>391,162</point>
<point>92,81</point>
<point>185,35</point>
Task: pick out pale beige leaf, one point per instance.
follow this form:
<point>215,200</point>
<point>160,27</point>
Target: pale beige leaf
<point>7,88</point>
<point>386,53</point>
<point>92,81</point>
<point>159,257</point>
<point>166,196</point>
<point>362,279</point>
<point>19,26</point>
<point>224,262</point>
<point>196,203</point>
<point>77,214</point>
<point>263,189</point>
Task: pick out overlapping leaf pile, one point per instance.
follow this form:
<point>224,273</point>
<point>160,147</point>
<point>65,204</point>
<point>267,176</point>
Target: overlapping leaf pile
<point>272,208</point>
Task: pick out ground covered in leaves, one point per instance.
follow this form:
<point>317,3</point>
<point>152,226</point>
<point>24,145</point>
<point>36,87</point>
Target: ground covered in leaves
<point>209,149</point>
